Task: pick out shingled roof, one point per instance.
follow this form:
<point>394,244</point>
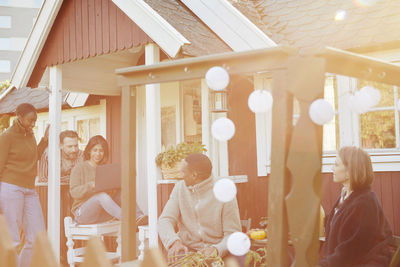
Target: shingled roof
<point>310,25</point>
<point>39,98</point>
<point>203,40</point>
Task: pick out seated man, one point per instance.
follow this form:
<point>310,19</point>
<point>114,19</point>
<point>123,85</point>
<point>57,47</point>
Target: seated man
<point>204,224</point>
<point>70,155</point>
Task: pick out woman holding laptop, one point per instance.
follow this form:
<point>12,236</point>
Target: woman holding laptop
<point>90,206</point>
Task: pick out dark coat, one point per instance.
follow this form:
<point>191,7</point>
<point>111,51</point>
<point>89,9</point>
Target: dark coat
<point>358,234</point>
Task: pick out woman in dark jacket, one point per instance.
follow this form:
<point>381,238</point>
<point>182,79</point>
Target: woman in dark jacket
<point>357,232</point>
<point>19,201</point>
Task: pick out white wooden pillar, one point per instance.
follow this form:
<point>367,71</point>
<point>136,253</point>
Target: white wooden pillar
<point>53,201</point>
<point>153,142</point>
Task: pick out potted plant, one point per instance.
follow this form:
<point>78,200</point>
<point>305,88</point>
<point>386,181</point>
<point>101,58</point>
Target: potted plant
<point>170,160</point>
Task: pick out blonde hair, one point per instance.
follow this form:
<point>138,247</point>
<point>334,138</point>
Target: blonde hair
<point>359,167</point>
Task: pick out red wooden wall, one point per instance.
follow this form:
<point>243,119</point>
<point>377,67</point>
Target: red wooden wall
<point>86,28</point>
<point>253,196</point>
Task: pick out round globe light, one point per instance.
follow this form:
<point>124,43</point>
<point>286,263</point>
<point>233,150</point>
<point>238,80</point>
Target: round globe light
<point>224,190</point>
<point>223,129</point>
<point>217,78</point>
<point>371,96</point>
<point>238,244</point>
<point>321,111</point>
<point>260,101</point>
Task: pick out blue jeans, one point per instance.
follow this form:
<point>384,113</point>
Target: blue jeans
<point>21,206</point>
<point>101,207</point>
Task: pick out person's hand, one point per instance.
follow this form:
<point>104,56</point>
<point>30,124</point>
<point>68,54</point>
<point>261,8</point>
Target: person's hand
<point>177,248</point>
<point>210,251</point>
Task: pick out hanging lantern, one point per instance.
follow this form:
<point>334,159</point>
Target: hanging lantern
<point>219,101</point>
<point>217,79</point>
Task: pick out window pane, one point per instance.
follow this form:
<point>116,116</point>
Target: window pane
<point>5,66</point>
<point>168,126</point>
<point>5,22</point>
<point>386,90</point>
<point>331,135</point>
<point>378,129</point>
<point>192,111</point>
<point>83,130</point>
<point>94,127</point>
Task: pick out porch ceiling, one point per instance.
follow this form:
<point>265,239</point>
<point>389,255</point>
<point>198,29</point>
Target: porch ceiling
<point>96,75</point>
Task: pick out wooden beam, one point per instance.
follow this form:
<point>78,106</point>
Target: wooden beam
<point>194,68</point>
<point>128,150</point>
<point>361,67</point>
<point>282,114</point>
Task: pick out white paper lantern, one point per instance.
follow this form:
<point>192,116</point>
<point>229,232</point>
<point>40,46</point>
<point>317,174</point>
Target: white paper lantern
<point>260,101</point>
<point>224,190</point>
<point>364,99</point>
<point>321,111</point>
<point>217,78</point>
<point>223,129</point>
<point>238,244</point>
<point>372,96</point>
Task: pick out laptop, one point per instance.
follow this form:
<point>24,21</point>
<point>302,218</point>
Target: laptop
<point>107,177</point>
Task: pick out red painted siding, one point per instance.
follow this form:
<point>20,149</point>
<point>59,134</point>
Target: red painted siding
<point>253,196</point>
<point>86,28</point>
<point>113,131</point>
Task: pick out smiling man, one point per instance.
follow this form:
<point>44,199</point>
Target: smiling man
<point>70,156</point>
<point>203,223</point>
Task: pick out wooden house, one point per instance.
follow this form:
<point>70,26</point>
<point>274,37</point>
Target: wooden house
<point>89,45</point>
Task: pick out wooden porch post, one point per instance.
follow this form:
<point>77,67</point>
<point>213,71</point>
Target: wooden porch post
<point>306,83</point>
<point>53,216</point>
<point>128,150</point>
<point>153,142</point>
<point>282,111</point>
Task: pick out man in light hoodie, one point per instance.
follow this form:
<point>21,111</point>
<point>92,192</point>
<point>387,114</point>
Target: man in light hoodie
<point>204,224</point>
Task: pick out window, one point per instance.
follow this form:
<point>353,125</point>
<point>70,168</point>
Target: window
<point>5,43</point>
<point>331,136</point>
<point>5,21</point>
<point>4,2</point>
<point>5,66</point>
<point>378,126</point>
<point>87,128</point>
<point>191,91</point>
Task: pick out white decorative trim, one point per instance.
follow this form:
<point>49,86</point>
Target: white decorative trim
<point>381,161</point>
<point>235,29</point>
<point>35,43</point>
<point>237,179</point>
<point>155,26</point>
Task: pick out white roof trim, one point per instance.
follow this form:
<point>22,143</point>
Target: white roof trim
<point>235,29</point>
<point>9,89</point>
<point>155,26</point>
<point>35,43</point>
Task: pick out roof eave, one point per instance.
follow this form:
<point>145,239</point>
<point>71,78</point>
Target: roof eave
<point>35,42</point>
<point>156,27</point>
<point>235,29</point>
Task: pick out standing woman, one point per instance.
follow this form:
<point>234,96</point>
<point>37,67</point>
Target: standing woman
<point>18,166</point>
<point>357,232</point>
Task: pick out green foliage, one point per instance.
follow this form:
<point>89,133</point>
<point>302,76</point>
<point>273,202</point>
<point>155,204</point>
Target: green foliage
<point>177,153</point>
<point>4,85</point>
<point>256,258</point>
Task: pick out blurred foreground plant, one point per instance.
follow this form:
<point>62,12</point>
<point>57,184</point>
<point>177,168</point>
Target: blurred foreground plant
<point>197,259</point>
